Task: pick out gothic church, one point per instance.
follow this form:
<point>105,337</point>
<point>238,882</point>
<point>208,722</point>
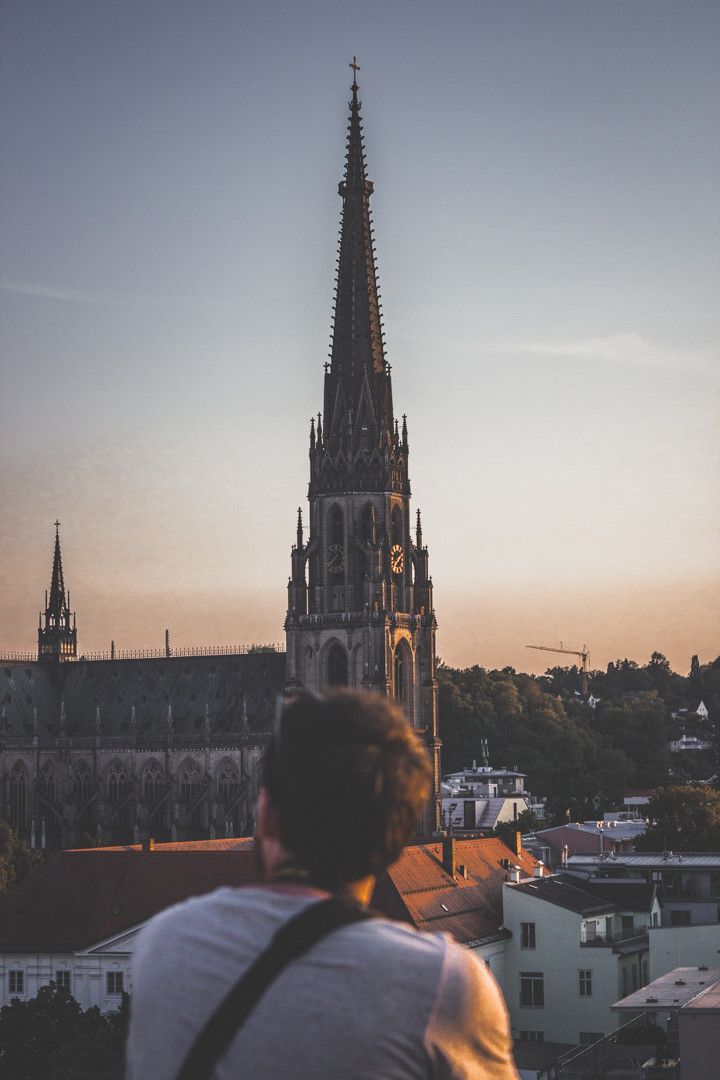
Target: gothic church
<point>101,750</point>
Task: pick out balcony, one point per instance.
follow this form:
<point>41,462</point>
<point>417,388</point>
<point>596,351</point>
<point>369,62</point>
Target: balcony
<point>623,942</point>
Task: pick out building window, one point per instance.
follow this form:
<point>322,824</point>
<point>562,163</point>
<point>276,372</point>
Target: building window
<point>532,1036</point>
<point>587,1037</point>
<point>527,935</point>
<point>585,982</point>
<point>337,665</point>
<point>626,922</point>
<point>680,917</point>
<point>62,980</point>
<point>16,982</point>
<point>115,982</point>
<point>532,989</point>
<point>17,798</point>
<point>153,782</point>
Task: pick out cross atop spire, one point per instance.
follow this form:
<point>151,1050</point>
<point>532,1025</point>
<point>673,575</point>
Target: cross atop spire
<point>356,67</point>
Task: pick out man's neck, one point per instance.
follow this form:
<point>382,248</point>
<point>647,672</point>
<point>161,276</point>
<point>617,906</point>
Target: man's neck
<point>288,873</point>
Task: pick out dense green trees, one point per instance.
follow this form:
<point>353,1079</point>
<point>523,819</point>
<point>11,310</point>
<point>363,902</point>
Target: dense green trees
<point>16,858</point>
<point>573,753</point>
<point>685,819</point>
<point>51,1038</point>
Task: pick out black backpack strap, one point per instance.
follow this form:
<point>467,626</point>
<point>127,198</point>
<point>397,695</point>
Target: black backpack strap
<point>289,943</point>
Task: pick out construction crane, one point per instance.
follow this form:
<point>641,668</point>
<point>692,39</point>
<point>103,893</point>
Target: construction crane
<point>582,653</point>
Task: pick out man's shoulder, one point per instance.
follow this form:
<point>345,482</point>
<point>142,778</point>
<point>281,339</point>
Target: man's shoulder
<point>254,913</point>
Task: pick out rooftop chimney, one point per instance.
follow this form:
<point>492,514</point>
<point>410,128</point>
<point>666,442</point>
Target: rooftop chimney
<point>448,854</point>
<point>515,874</point>
<point>517,848</point>
<point>148,845</point>
<point>538,868</point>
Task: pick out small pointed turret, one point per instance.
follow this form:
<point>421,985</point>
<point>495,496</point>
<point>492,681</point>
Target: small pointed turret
<point>299,529</point>
<point>57,639</point>
<point>418,532</point>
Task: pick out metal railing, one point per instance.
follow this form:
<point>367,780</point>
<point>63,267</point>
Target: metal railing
<point>599,1058</point>
<point>622,941</point>
<point>152,654</point>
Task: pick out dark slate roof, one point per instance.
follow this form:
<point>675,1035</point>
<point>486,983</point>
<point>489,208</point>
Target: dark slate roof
<point>80,898</point>
<point>223,683</point>
<point>563,891</point>
<point>630,895</point>
<point>23,688</point>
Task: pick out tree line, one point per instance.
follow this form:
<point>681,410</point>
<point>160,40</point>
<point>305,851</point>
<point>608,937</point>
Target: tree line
<point>583,759</point>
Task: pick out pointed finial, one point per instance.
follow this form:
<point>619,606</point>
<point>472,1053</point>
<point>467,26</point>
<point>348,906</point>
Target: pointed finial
<point>312,433</point>
<point>299,529</point>
<point>57,527</point>
<point>355,67</point>
<point>418,532</point>
<point>404,430</point>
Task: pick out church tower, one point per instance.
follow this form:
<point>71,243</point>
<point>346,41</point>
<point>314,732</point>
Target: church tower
<point>57,639</point>
<point>360,603</point>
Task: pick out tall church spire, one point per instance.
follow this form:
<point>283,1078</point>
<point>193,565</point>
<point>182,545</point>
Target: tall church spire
<point>56,602</point>
<point>358,408</point>
<point>357,334</point>
<point>360,604</point>
<point>57,639</point>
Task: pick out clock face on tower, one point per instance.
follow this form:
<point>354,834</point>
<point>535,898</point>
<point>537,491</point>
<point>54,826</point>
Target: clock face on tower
<point>335,559</point>
<point>397,559</point>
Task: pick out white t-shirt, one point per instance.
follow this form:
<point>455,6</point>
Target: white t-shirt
<point>375,1000</point>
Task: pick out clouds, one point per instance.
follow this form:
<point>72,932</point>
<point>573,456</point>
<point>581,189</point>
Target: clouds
<point>75,296</point>
<point>624,348</point>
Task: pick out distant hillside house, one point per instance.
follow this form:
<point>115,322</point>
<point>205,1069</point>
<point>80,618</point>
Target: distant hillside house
<point>481,797</point>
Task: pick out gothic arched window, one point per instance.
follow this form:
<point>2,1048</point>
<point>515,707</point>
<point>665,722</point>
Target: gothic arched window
<point>153,782</point>
<point>337,665</point>
<point>191,789</point>
<point>118,791</point>
<point>116,783</point>
<point>47,779</point>
<point>18,797</point>
<point>82,787</point>
<point>402,673</point>
<point>228,780</point>
<point>228,794</point>
<point>335,526</point>
<point>397,525</point>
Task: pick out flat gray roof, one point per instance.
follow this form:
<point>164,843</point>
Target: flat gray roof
<point>674,990</point>
<point>652,860</point>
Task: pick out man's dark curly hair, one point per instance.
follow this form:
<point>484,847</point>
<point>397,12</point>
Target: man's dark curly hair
<point>348,778</point>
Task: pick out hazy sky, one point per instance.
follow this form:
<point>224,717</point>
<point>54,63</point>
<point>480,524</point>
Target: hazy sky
<point>547,227</point>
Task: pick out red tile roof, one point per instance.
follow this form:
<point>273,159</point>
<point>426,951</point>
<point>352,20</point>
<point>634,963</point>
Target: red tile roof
<point>80,898</point>
<point>421,891</point>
